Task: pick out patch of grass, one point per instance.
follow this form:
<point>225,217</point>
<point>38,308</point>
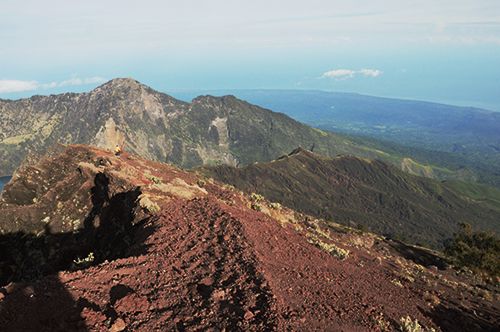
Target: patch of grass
<point>477,192</point>
<point>256,206</point>
<point>397,283</point>
<point>14,140</point>
<point>148,205</point>
<point>409,325</point>
<point>329,247</point>
<point>275,206</point>
<point>256,197</point>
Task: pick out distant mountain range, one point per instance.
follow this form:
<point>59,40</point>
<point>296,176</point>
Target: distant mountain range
<point>371,195</point>
<point>466,136</point>
<point>207,131</point>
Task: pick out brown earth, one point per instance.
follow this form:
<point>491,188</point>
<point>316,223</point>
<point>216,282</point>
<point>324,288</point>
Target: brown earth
<point>174,252</point>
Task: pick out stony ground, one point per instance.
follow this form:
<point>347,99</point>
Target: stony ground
<point>205,257</point>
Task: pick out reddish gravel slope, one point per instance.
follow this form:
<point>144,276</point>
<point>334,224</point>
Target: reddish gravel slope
<point>194,255</point>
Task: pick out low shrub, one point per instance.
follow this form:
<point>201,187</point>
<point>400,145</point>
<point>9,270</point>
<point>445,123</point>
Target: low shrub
<point>478,251</point>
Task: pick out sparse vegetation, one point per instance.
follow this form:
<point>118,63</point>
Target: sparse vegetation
<point>329,247</point>
<point>147,204</point>
<point>275,206</point>
<point>409,325</point>
<point>478,251</point>
<point>397,283</point>
<point>382,323</point>
<point>153,179</point>
<point>256,200</point>
<point>256,197</point>
<point>256,206</point>
<point>81,263</point>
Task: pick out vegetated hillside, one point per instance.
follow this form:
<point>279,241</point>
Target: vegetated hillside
<point>208,130</point>
<point>469,137</point>
<point>92,242</point>
<point>367,193</point>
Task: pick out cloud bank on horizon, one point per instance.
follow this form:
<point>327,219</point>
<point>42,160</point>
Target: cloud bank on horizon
<point>9,86</point>
<point>189,44</point>
<point>342,74</point>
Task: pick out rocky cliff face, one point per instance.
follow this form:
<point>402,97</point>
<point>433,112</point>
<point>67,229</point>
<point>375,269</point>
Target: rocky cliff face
<point>156,126</point>
<point>113,244</point>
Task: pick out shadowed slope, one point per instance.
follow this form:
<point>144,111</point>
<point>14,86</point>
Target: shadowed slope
<point>363,193</point>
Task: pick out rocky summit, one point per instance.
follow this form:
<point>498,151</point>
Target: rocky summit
<point>207,131</point>
<point>95,242</point>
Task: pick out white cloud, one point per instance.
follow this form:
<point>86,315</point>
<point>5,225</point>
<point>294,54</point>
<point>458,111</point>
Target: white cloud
<point>339,73</point>
<point>342,74</point>
<point>81,81</point>
<point>370,72</point>
<point>11,86</point>
<point>8,86</point>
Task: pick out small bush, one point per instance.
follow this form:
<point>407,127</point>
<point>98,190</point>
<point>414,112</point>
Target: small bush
<point>256,207</point>
<point>153,179</point>
<point>201,183</point>
<point>256,197</point>
<point>409,325</point>
<point>478,251</point>
<point>85,262</point>
<point>275,206</point>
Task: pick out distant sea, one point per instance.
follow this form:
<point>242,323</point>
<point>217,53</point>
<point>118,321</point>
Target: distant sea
<point>3,181</point>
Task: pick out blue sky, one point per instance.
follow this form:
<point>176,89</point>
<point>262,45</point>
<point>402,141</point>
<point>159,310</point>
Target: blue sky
<point>446,51</point>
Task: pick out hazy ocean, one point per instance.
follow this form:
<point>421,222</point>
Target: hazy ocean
<point>3,181</point>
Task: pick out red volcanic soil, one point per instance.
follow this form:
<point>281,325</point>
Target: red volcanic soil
<point>211,258</point>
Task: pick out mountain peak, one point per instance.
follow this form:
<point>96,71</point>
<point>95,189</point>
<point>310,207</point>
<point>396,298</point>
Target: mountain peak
<point>121,83</point>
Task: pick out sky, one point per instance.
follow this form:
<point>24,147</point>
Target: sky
<point>444,51</point>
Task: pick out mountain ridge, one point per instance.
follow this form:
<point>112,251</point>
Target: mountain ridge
<point>364,193</point>
<point>453,137</point>
<point>209,130</point>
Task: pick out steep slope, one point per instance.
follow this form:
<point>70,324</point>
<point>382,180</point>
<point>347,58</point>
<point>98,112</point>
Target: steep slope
<point>118,244</point>
<point>364,193</point>
<point>156,126</point>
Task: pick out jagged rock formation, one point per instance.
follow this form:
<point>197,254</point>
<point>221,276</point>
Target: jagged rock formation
<point>163,249</point>
<point>365,193</point>
<point>209,130</point>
